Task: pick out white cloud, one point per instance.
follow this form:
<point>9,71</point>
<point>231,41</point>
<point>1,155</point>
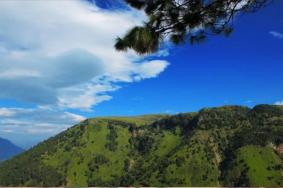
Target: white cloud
<point>75,117</point>
<point>163,53</point>
<point>240,4</point>
<point>276,34</point>
<point>28,126</point>
<point>66,58</point>
<point>279,103</point>
<point>6,112</point>
<point>18,73</point>
<point>150,69</point>
<point>59,55</point>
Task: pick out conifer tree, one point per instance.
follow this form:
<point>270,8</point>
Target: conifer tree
<point>183,21</point>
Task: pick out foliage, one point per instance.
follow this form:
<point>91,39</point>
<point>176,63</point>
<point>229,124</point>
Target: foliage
<point>111,137</point>
<point>181,21</point>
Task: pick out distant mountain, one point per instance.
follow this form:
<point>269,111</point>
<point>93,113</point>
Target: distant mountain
<point>8,149</point>
<point>224,146</point>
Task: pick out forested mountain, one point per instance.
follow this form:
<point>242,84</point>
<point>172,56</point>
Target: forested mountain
<point>225,146</point>
<point>8,149</point>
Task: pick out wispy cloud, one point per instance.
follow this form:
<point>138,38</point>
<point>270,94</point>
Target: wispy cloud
<point>26,124</point>
<point>249,101</point>
<point>278,103</point>
<point>276,34</point>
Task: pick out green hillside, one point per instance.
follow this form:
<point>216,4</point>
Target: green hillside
<point>225,146</point>
<point>257,166</point>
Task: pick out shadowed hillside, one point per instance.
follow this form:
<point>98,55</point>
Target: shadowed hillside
<point>225,146</point>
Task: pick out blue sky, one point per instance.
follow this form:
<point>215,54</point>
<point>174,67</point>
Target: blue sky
<point>56,72</point>
<point>243,69</point>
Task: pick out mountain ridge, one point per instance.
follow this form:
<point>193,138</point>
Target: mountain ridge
<point>212,147</point>
<point>8,149</point>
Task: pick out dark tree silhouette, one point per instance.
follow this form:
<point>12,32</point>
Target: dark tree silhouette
<point>182,21</point>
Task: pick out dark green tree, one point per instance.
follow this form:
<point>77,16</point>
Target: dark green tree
<point>182,21</point>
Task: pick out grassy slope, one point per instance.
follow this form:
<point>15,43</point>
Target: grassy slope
<point>94,140</point>
<point>258,164</point>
